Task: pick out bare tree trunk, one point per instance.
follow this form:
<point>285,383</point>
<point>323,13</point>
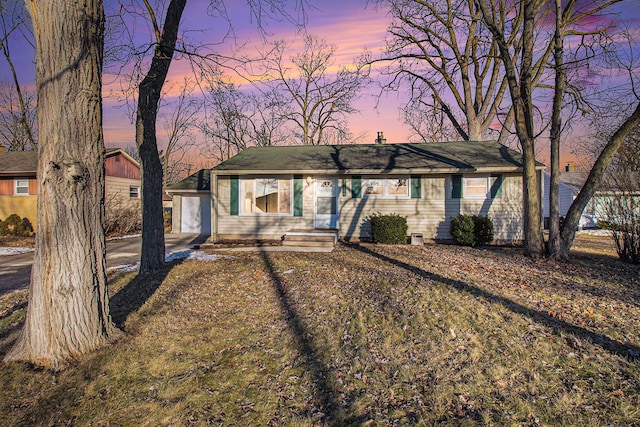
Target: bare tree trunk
<point>152,256</point>
<point>556,128</point>
<point>568,231</point>
<point>520,88</point>
<point>68,312</point>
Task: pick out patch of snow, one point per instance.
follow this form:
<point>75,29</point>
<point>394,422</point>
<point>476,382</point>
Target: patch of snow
<point>187,254</point>
<point>128,236</point>
<point>14,251</point>
<point>124,268</point>
<point>195,255</point>
<point>594,232</point>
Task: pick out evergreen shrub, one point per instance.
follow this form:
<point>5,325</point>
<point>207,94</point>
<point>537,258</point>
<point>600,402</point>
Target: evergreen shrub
<point>472,230</point>
<point>14,225</point>
<point>389,228</point>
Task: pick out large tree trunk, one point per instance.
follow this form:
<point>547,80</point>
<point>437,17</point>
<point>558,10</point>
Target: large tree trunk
<point>520,88</point>
<point>568,231</point>
<point>554,245</point>
<point>68,312</point>
<point>152,255</point>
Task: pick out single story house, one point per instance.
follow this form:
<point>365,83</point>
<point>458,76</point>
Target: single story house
<point>19,186</point>
<point>267,192</point>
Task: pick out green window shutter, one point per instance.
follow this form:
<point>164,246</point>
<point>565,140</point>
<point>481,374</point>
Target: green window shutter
<point>234,199</point>
<point>496,186</point>
<point>297,195</point>
<point>416,187</point>
<point>356,187</point>
<point>456,186</point>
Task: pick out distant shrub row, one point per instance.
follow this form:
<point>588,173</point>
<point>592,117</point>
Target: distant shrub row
<point>16,226</point>
<point>472,230</point>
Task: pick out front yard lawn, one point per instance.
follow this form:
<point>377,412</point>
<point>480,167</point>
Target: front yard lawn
<point>366,335</point>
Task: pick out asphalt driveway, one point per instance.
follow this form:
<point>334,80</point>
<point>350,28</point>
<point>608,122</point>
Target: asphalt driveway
<point>15,270</point>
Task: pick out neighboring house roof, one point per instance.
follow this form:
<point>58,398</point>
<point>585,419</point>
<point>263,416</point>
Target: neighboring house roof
<point>199,181</point>
<point>444,157</point>
<point>18,162</point>
<point>13,163</point>
<point>113,151</point>
<point>573,180</point>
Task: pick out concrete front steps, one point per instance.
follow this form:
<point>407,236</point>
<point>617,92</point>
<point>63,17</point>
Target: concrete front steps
<point>311,238</point>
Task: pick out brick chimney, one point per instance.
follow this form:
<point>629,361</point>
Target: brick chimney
<point>380,139</point>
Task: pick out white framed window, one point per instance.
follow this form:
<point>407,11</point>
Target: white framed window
<point>134,192</point>
<point>385,187</point>
<point>479,187</point>
<point>22,187</point>
<point>476,187</point>
<point>271,195</point>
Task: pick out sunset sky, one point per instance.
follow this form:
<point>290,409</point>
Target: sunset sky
<point>350,25</point>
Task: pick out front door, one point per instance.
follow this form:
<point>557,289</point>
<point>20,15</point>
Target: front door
<point>326,206</point>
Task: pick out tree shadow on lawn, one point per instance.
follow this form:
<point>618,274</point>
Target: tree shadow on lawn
<point>595,267</point>
<point>134,294</point>
<point>615,347</point>
<point>12,329</point>
<point>326,392</point>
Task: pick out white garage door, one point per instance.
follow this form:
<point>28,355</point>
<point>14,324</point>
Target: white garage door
<point>196,214</point>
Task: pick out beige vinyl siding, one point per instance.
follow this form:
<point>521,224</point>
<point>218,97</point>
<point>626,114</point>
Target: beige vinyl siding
<point>176,213</point>
<point>504,211</point>
<point>424,215</point>
<point>259,226</point>
<point>119,187</point>
<point>431,215</point>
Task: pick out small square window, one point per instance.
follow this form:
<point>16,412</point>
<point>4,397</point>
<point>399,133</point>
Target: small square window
<point>475,188</point>
<point>134,192</point>
<point>398,187</point>
<point>372,187</point>
<point>22,187</point>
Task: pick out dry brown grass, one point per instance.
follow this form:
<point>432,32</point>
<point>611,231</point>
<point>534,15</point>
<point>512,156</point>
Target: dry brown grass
<point>17,242</point>
<point>366,335</point>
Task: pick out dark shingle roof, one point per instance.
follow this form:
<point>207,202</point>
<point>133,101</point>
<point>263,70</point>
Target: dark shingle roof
<point>374,158</point>
<point>199,181</point>
<point>15,162</point>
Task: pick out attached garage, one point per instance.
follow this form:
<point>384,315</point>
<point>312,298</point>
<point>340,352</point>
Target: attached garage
<point>196,214</point>
<point>191,204</point>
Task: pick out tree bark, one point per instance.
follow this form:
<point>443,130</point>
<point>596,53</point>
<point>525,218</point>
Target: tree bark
<point>520,88</point>
<point>68,312</point>
<point>152,253</point>
<point>568,231</point>
<point>554,245</point>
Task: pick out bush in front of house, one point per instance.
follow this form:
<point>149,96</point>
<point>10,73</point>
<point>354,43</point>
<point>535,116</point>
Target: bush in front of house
<point>462,230</point>
<point>472,230</point>
<point>389,228</point>
<point>482,230</point>
<point>14,225</point>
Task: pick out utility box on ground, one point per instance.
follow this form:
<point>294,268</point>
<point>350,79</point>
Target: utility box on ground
<point>417,239</point>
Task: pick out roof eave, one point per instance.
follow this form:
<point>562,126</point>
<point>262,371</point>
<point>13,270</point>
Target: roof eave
<point>396,171</point>
<point>192,191</point>
<point>18,173</point>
